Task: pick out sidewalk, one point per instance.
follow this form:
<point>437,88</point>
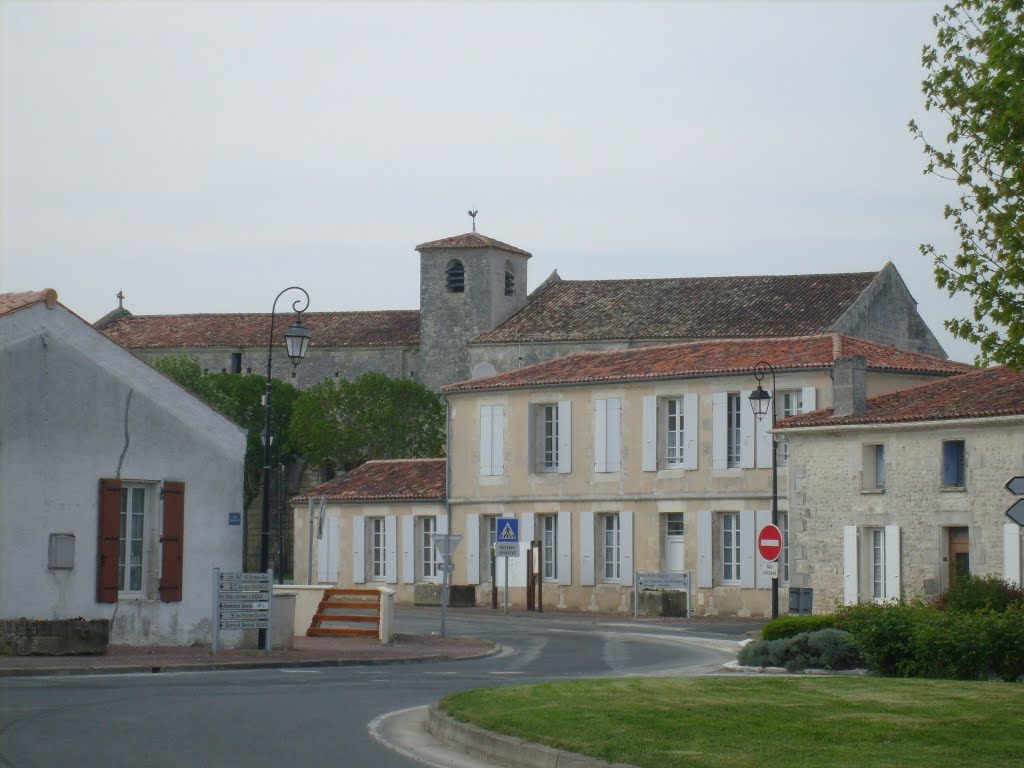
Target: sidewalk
<point>307,652</point>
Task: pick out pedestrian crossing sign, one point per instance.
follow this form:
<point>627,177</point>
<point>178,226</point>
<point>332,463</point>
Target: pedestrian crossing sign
<point>508,530</point>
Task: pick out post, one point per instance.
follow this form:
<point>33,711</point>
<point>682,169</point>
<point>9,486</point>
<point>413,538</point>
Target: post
<point>309,555</point>
<point>775,504</point>
<point>506,586</point>
<point>494,578</point>
<point>267,634</point>
<point>529,577</point>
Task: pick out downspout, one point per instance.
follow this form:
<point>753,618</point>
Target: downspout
<point>447,503</point>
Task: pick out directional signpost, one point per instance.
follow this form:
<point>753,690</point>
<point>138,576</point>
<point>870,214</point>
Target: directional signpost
<point>769,546</point>
<point>445,544</point>
<point>506,545</point>
<point>1016,511</point>
<point>241,601</point>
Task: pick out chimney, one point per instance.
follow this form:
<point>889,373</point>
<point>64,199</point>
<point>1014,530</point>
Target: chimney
<point>849,385</point>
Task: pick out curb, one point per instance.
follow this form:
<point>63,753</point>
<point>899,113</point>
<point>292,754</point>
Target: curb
<point>222,666</point>
<point>505,750</point>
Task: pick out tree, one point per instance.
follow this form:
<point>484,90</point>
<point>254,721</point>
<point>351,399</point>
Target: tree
<point>975,78</point>
<point>240,398</point>
<point>343,423</point>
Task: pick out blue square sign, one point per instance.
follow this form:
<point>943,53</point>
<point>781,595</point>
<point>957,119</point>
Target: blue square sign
<point>508,530</point>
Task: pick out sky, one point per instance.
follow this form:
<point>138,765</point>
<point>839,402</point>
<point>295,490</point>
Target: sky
<point>200,157</point>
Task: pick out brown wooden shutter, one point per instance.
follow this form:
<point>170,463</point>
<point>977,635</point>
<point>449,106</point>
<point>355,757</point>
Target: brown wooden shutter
<point>172,543</point>
<point>107,548</point>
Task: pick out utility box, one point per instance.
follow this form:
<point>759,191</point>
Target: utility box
<point>801,601</point>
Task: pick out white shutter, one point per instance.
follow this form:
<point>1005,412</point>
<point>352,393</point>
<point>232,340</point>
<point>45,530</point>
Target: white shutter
<point>408,549</point>
<point>748,540</point>
<point>442,523</point>
<point>472,549</point>
<point>851,585</point>
<point>565,437</point>
<point>564,541</point>
<point>808,402</point>
<point>763,450</point>
<point>391,549</point>
<point>525,529</point>
<point>691,424</point>
<point>532,438</point>
<point>650,433</point>
<point>327,553</point>
<point>485,440</point>
<point>705,548</point>
<point>1011,552</point>
<point>763,517</point>
<point>587,549</point>
<point>600,437</point>
<point>626,548</point>
<point>498,440</point>
<point>613,456</point>
<point>358,547</point>
<point>892,562</point>
<point>747,436</point>
<point>719,425</point>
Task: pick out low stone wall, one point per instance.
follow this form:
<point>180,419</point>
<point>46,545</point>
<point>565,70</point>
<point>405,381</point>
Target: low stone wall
<point>662,603</point>
<point>54,637</point>
<point>459,595</point>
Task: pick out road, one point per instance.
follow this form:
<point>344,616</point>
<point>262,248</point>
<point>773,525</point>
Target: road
<point>314,717</point>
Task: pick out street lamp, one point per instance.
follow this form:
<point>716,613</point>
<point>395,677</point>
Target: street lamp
<point>761,403</point>
<point>296,340</point>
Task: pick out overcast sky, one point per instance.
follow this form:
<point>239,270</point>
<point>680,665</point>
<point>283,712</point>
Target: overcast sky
<point>203,156</point>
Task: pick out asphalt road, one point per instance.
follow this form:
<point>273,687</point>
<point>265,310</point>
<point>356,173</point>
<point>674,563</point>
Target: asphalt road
<point>318,717</point>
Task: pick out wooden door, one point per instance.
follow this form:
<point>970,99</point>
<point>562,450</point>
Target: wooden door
<point>959,553</point>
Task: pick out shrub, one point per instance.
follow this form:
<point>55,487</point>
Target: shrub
<point>825,649</point>
<point>883,633</point>
<point>789,626</point>
<point>980,593</point>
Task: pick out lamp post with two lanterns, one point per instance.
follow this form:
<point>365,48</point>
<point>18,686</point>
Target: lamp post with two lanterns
<point>761,403</point>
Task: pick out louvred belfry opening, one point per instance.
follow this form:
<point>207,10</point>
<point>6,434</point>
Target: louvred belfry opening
<point>172,542</point>
<point>109,533</point>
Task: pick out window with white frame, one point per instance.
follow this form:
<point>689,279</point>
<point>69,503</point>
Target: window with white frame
<point>378,548</point>
<point>731,552</point>
<point>611,551</point>
<point>675,437</point>
<point>132,540</point>
<point>954,464</point>
<point>733,433</point>
<point>429,558</point>
<point>876,554</point>
<point>790,403</point>
<point>549,546</point>
<point>547,434</point>
<point>674,541</point>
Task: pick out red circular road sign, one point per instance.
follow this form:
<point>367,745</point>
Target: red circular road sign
<point>769,543</point>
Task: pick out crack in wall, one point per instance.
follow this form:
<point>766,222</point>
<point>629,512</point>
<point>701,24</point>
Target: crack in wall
<point>127,438</point>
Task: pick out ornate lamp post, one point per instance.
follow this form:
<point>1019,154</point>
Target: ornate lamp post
<point>761,403</point>
<point>296,340</point>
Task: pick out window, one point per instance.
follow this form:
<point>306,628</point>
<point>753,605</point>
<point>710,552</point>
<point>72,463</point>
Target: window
<point>131,542</point>
<point>378,548</point>
<point>510,279</point>
<point>731,548</point>
<point>61,554</point>
<point>873,473</point>
<point>429,558</point>
<point>611,546</point>
<point>547,418</point>
<point>877,565</point>
<point>733,430</point>
<point>871,564</point>
<point>549,546</point>
<point>455,277</point>
<point>790,404</point>
<point>675,438</point>
<point>674,542</point>
<point>953,463</point>
<point>488,533</point>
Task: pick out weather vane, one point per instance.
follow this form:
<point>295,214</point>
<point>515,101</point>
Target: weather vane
<point>120,299</point>
<point>472,214</point>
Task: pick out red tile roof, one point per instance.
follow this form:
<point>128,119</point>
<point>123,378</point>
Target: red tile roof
<point>706,358</point>
<point>393,328</point>
<point>385,480</point>
<point>983,393</point>
<point>683,308</point>
<point>12,302</point>
<point>472,240</point>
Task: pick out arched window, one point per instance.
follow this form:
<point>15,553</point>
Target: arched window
<point>455,276</point>
<point>510,279</point>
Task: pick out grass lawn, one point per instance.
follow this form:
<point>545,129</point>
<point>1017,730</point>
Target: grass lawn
<point>784,722</point>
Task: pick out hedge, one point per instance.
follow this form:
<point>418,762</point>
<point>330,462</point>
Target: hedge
<point>790,626</point>
<point>823,649</point>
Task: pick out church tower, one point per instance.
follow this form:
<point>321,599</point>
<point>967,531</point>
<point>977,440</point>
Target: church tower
<point>468,284</point>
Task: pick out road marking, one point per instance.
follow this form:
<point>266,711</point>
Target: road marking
<point>301,671</point>
<point>497,672</point>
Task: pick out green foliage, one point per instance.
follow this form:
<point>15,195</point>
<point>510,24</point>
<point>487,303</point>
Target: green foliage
<point>788,626</point>
<point>883,633</point>
<point>821,649</point>
<point>345,423</point>
<point>975,79</point>
<point>977,593</point>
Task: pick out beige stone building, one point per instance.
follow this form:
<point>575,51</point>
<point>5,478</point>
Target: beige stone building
<point>893,496</point>
<point>639,460</point>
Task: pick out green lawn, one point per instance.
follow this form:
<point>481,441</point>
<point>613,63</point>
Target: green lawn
<point>783,722</point>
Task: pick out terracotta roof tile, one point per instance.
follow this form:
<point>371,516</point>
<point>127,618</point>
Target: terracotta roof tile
<point>393,328</point>
<point>385,480</point>
<point>12,302</point>
<point>706,358</point>
<point>683,308</point>
<point>472,240</point>
<point>983,393</point>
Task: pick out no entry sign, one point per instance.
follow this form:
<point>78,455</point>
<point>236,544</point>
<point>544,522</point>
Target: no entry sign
<point>769,543</point>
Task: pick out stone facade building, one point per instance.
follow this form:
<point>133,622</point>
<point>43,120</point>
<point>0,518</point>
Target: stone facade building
<point>892,496</point>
